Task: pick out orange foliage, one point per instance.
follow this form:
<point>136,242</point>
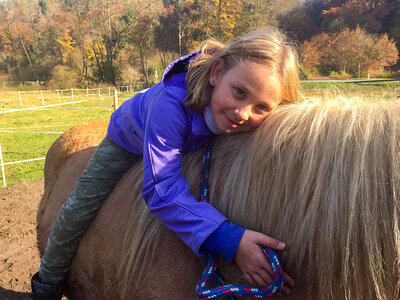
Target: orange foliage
<point>170,10</point>
<point>331,11</point>
<point>350,51</point>
<point>370,13</point>
<point>226,13</point>
<point>67,45</point>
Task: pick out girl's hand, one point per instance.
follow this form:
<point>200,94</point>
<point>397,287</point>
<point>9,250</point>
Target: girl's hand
<point>253,263</point>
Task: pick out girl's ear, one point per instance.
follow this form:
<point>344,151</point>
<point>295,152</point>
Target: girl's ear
<point>216,71</point>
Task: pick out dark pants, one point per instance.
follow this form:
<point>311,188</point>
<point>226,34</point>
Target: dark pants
<point>104,170</point>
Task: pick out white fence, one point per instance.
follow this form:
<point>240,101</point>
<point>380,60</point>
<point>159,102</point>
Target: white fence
<point>112,93</point>
<point>2,163</point>
<point>125,88</point>
<point>43,95</point>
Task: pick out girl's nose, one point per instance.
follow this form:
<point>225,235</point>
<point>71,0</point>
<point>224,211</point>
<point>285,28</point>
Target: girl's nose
<point>242,113</point>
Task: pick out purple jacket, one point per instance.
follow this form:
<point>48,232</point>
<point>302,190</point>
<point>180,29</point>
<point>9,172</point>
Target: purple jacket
<point>156,124</point>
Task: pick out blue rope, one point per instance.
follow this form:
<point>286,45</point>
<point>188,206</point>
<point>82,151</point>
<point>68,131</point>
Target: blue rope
<point>210,259</point>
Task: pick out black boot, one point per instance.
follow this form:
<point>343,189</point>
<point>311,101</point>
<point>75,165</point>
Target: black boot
<point>45,291</point>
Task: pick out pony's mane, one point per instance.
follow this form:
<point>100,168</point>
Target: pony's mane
<point>324,176</point>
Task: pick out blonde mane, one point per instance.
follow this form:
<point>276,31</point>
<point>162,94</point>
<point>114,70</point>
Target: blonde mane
<point>322,176</point>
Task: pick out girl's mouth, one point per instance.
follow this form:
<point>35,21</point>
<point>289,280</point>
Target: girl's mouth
<point>231,123</point>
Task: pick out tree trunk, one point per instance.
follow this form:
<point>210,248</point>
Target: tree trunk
<point>109,48</point>
<point>98,62</point>
<point>144,67</point>
<point>37,49</point>
<point>27,54</point>
<point>179,28</point>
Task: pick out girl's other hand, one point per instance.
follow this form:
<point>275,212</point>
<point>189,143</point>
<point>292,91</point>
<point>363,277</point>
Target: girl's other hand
<point>254,264</point>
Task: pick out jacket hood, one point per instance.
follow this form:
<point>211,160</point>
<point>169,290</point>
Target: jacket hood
<point>174,76</point>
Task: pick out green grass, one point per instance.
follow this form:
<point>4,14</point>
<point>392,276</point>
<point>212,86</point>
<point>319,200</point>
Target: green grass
<point>372,91</point>
<point>370,86</point>
<point>35,143</point>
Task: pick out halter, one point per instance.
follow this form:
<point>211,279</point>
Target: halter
<point>209,259</point>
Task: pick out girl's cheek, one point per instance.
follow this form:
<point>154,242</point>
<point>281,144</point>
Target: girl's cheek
<point>259,120</point>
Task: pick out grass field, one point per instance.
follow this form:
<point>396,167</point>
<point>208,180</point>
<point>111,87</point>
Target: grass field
<point>372,90</point>
<point>28,134</point>
<point>33,131</point>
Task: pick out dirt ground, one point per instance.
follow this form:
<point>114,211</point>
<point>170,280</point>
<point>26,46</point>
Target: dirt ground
<point>19,256</point>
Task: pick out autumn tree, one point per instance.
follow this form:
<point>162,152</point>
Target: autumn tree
<point>260,13</point>
<point>108,32</point>
<point>168,38</point>
<point>186,23</point>
<point>143,20</point>
<point>391,23</point>
<point>19,36</point>
<point>350,51</point>
<point>334,16</point>
<point>315,54</point>
<point>304,21</point>
<point>225,14</point>
<point>175,26</point>
<point>8,44</point>
<point>367,13</point>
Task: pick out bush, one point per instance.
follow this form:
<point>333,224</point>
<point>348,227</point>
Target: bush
<point>64,77</point>
<point>340,75</point>
<point>308,73</point>
<point>129,75</point>
<point>5,81</point>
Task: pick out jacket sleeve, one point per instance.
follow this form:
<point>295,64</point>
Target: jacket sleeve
<point>165,190</point>
<point>225,240</point>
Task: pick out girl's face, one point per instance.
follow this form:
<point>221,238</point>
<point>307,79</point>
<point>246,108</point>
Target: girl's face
<point>243,96</point>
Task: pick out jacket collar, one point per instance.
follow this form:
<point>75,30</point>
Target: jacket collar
<point>199,126</point>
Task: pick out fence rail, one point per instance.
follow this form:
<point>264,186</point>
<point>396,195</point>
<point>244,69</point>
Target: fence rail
<point>3,173</point>
<point>59,94</point>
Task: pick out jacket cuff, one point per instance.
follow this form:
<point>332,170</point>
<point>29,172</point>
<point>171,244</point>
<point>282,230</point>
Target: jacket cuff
<point>224,241</point>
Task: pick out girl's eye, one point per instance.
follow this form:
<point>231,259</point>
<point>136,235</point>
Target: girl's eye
<point>262,107</point>
<point>240,92</point>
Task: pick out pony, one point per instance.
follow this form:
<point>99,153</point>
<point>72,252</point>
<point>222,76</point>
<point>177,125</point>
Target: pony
<point>324,176</point>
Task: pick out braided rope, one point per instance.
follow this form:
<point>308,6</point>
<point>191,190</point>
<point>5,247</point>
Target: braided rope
<point>210,260</point>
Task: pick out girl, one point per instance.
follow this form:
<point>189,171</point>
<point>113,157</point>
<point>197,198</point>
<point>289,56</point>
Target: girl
<point>217,90</point>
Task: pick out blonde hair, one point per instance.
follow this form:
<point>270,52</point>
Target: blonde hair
<point>322,176</point>
<point>266,46</point>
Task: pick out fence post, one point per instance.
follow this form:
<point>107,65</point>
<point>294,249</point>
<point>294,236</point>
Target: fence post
<point>19,96</point>
<point>115,99</point>
<point>109,90</point>
<point>72,94</point>
<point>58,96</point>
<point>87,93</point>
<point>2,168</point>
<point>99,92</point>
<point>41,93</point>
